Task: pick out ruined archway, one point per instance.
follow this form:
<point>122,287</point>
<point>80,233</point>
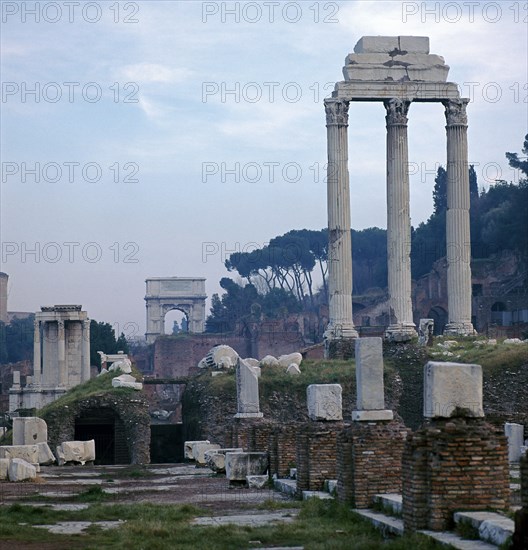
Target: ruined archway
<point>440,317</point>
<point>168,293</point>
<point>176,321</point>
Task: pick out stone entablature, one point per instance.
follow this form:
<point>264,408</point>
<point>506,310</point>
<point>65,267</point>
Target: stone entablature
<point>164,294</point>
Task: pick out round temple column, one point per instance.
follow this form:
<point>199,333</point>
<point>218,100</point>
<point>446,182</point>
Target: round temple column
<point>61,354</point>
<point>457,221</point>
<point>37,366</point>
<point>341,325</point>
<point>85,332</point>
<point>401,326</point>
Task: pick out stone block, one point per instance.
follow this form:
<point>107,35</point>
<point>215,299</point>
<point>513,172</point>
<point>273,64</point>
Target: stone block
<point>126,381</point>
<point>450,386</point>
<point>247,391</point>
<point>21,470</point>
<point>240,465</point>
<point>515,435</point>
<point>286,360</point>
<point>369,374</point>
<point>324,401</point>
<point>76,451</point>
<point>199,449</point>
<point>386,44</point>
<point>257,482</point>
<point>188,448</point>
<point>396,73</point>
<point>215,458</point>
<point>4,465</point>
<point>293,369</point>
<point>45,456</point>
<point>269,361</point>
<point>29,453</point>
<point>29,430</point>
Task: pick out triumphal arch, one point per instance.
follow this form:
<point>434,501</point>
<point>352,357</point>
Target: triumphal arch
<point>398,71</point>
<point>164,294</point>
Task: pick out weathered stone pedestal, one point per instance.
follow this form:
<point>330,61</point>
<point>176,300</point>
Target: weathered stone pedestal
<point>458,461</point>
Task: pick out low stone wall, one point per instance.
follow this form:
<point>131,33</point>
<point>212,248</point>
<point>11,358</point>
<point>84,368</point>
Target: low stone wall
<point>316,455</point>
<point>369,461</point>
<point>453,464</point>
<point>520,536</point>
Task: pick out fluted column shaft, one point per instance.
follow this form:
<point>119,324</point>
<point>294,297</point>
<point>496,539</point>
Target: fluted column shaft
<point>37,366</point>
<point>61,354</point>
<point>457,220</point>
<point>341,324</point>
<point>85,368</point>
<point>401,326</point>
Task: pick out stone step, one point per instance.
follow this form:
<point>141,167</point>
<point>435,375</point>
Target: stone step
<point>492,527</point>
<point>386,524</point>
<point>391,525</point>
<point>286,486</point>
<point>391,502</point>
<point>452,539</point>
<point>316,494</point>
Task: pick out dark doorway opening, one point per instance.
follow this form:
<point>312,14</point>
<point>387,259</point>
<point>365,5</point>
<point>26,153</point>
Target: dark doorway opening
<point>439,315</point>
<point>166,443</point>
<point>107,430</point>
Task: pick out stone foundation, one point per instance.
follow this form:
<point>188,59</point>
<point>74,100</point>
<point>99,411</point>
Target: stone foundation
<point>316,455</point>
<point>369,461</point>
<point>278,440</point>
<point>520,536</point>
<point>453,464</point>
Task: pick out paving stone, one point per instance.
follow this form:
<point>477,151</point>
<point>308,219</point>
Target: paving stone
<point>252,520</point>
<point>77,527</point>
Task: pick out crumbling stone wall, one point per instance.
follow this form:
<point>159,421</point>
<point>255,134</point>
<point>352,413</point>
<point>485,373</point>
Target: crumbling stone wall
<point>132,409</point>
<point>369,460</point>
<point>520,536</point>
<point>453,464</point>
<point>316,454</point>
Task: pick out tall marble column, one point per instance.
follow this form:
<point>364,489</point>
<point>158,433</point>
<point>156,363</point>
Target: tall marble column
<point>61,354</point>
<point>37,365</point>
<point>85,367</point>
<point>341,325</point>
<point>401,327</point>
<point>457,220</point>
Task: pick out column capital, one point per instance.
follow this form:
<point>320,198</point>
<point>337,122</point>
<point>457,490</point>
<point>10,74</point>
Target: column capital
<point>397,110</point>
<point>455,111</point>
<point>336,112</point>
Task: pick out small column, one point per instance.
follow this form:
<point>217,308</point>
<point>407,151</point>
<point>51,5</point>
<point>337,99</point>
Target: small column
<point>61,354</point>
<point>341,324</point>
<point>457,221</point>
<point>37,365</point>
<point>85,368</point>
<point>401,326</point>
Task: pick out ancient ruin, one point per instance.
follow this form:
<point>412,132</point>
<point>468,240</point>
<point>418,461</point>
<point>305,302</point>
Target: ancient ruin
<point>396,70</point>
<point>164,294</point>
<point>61,357</point>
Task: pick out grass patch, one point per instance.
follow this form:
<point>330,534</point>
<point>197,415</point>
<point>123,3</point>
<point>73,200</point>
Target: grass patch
<point>321,525</point>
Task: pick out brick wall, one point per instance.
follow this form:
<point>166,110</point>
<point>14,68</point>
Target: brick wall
<point>316,454</point>
<point>453,464</point>
<point>369,461</point>
<point>520,536</point>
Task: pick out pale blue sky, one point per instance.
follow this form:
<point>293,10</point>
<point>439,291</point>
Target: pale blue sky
<point>176,137</point>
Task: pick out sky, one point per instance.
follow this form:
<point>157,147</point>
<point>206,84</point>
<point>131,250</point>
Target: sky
<point>152,139</point>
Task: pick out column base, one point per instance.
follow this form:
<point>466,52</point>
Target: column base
<point>400,332</point>
<point>459,329</point>
<point>372,416</point>
<point>249,415</point>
